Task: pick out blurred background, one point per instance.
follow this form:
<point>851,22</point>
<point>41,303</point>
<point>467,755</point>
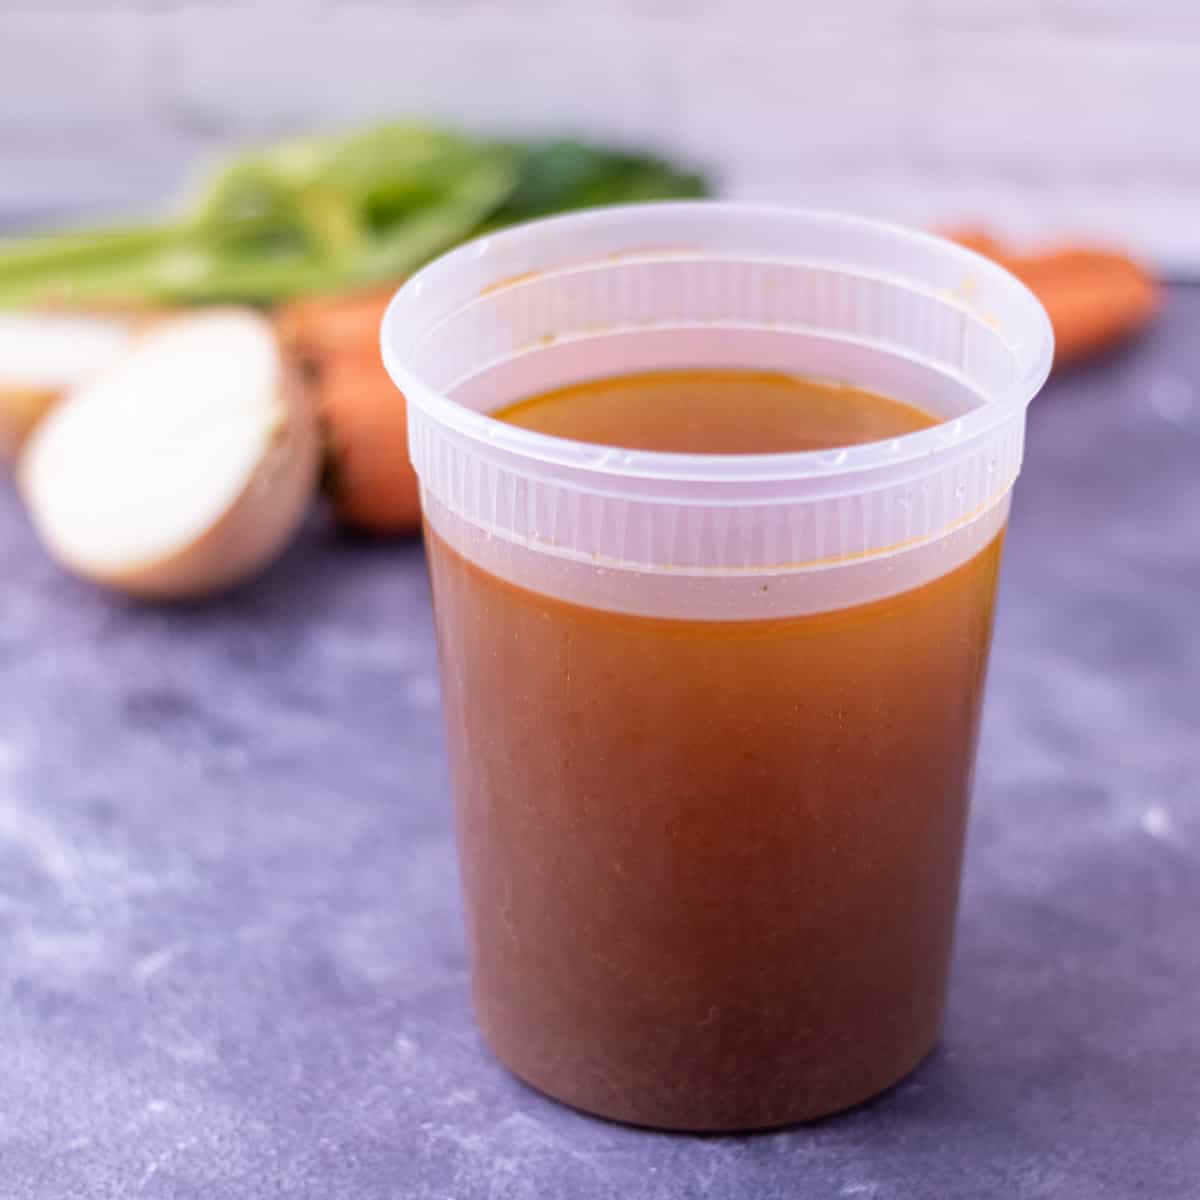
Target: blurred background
<point>1043,117</point>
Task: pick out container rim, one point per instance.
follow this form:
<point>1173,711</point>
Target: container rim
<point>1032,350</point>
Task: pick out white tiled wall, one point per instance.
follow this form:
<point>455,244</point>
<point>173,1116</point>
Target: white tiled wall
<point>1040,116</point>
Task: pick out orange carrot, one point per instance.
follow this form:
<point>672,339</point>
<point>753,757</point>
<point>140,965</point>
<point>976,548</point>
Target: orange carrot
<point>1095,298</point>
<point>370,479</point>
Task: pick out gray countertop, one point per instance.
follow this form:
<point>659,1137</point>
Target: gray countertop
<point>231,954</point>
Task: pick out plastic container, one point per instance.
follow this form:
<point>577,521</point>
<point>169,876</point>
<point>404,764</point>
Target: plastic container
<point>688,908</point>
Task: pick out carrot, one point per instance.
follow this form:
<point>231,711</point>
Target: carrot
<point>330,324</point>
<point>1095,298</point>
<point>372,481</point>
<point>369,478</point>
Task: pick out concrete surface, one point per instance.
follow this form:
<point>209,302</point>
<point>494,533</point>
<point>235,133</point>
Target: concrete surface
<point>231,955</point>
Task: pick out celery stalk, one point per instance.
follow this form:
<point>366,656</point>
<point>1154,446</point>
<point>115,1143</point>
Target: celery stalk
<point>328,213</point>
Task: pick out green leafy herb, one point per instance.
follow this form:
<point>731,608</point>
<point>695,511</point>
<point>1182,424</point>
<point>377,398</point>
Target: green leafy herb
<point>330,213</point>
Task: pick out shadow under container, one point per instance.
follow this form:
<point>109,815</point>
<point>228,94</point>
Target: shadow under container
<point>712,719</point>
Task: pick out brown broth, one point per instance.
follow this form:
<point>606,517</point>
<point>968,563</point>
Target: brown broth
<point>711,867</point>
<point>716,412</point>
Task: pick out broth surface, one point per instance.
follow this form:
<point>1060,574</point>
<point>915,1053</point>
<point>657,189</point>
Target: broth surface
<point>716,412</point>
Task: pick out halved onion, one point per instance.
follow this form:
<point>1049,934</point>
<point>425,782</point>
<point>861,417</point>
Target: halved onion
<point>182,469</point>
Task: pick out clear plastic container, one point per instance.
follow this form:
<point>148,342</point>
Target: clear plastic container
<point>712,718</point>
